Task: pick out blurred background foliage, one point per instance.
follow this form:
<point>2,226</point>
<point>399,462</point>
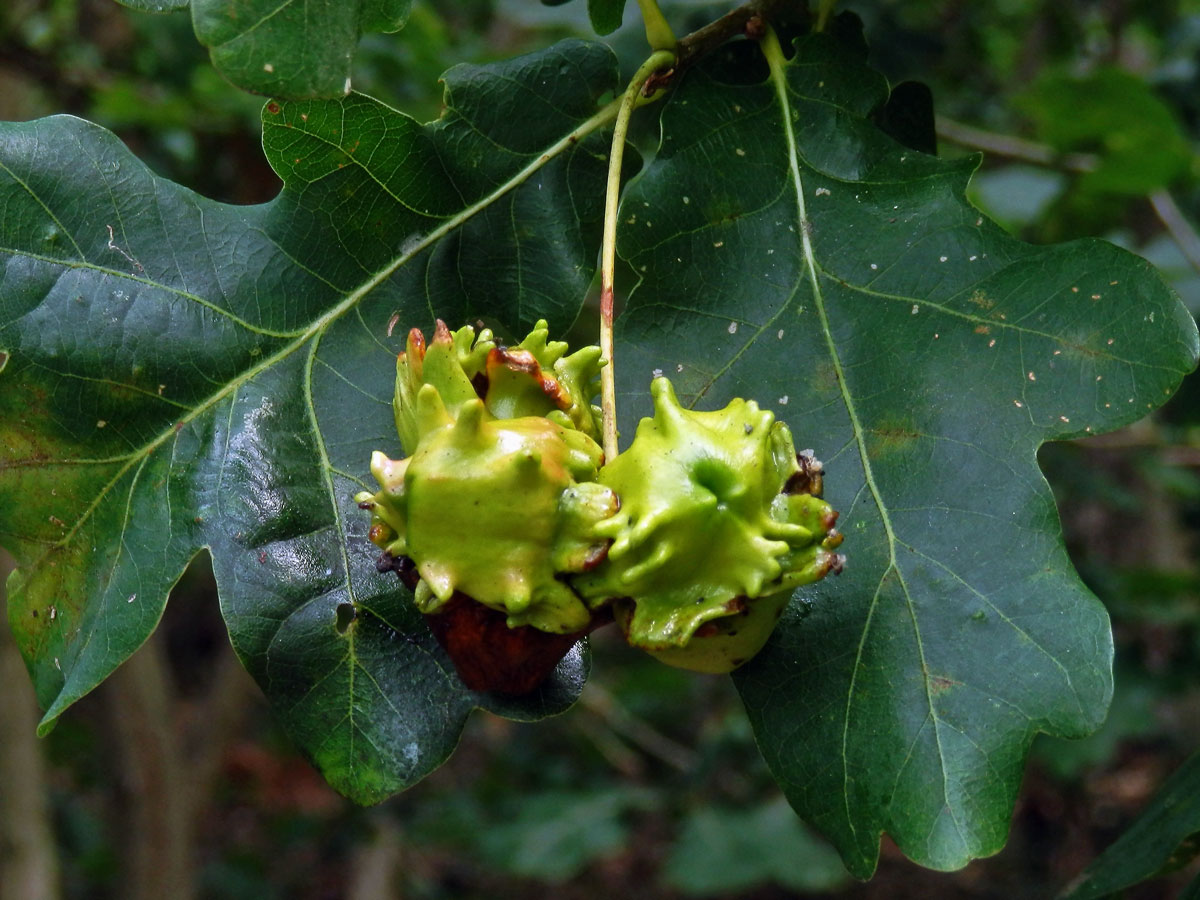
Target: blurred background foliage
<point>172,780</point>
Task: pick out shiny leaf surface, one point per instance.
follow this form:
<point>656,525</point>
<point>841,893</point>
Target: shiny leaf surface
<point>789,252</point>
<point>183,374</point>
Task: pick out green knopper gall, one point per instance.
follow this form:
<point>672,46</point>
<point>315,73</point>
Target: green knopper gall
<point>498,499</point>
<point>719,521</point>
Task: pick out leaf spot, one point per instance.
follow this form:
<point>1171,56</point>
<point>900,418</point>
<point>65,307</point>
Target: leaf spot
<point>346,614</point>
<point>939,684</point>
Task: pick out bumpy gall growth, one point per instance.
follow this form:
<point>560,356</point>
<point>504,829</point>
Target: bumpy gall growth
<point>719,521</point>
<point>497,501</point>
<point>518,539</point>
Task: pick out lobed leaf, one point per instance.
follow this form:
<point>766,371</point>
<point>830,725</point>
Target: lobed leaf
<point>289,49</point>
<point>789,251</point>
<point>182,374</point>
<point>1163,839</point>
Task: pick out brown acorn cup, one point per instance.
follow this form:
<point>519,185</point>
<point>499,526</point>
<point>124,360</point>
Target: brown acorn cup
<point>487,654</point>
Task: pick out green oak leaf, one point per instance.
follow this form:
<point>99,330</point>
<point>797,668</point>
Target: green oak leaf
<point>606,15</point>
<point>1163,839</point>
<point>156,6</point>
<point>181,374</point>
<point>293,49</point>
<point>790,252</point>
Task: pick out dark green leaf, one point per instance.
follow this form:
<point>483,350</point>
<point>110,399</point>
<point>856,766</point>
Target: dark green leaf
<point>725,851</point>
<point>185,374</point>
<point>156,6</point>
<point>790,252</point>
<point>1164,838</point>
<point>294,48</point>
<point>606,15</point>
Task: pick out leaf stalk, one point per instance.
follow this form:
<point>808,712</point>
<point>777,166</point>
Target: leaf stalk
<point>608,248</point>
<point>658,32</point>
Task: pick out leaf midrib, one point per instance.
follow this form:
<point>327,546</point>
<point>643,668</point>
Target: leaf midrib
<point>778,65</point>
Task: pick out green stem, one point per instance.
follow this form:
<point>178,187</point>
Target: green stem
<point>608,249</point>
<point>658,32</point>
<point>823,12</point>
